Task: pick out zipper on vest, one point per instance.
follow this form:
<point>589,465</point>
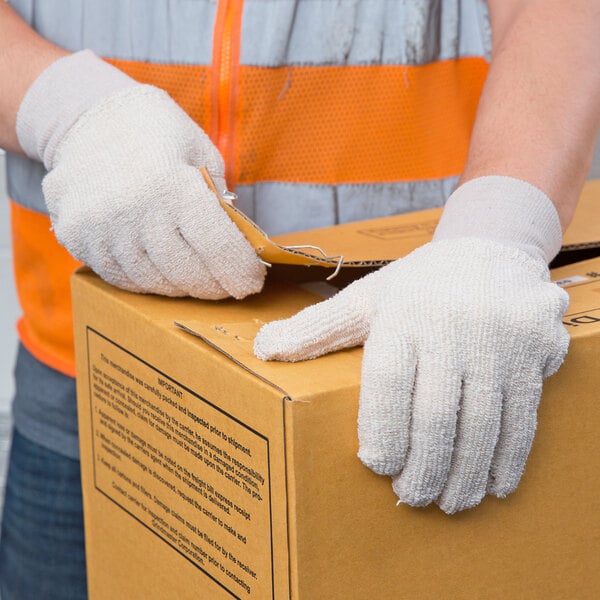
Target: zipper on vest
<point>225,73</point>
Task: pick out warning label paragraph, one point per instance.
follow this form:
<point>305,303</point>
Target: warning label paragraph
<point>194,475</point>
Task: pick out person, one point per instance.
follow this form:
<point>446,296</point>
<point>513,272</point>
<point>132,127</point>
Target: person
<point>315,113</point>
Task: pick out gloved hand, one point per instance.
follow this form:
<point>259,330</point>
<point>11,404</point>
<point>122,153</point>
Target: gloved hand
<point>458,337</point>
<point>124,192</point>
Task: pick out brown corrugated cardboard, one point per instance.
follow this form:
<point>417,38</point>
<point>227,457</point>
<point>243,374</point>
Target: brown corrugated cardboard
<point>381,240</point>
<point>376,242</point>
<point>210,474</point>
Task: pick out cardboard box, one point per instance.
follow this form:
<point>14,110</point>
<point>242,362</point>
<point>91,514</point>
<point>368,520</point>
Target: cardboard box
<point>376,242</point>
<point>210,474</point>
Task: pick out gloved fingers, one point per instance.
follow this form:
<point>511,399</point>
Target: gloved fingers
<point>180,264</point>
<point>388,374</point>
<point>203,153</point>
<point>110,270</point>
<point>212,235</point>
<point>339,322</point>
<point>120,262</point>
<point>436,400</point>
<point>136,264</point>
<point>519,421</point>
<point>561,346</point>
<point>215,167</point>
<point>476,435</point>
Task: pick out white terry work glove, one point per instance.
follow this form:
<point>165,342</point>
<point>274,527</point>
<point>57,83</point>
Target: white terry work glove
<point>124,192</point>
<point>458,337</point>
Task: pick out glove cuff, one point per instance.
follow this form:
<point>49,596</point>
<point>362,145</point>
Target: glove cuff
<point>506,210</point>
<point>59,96</point>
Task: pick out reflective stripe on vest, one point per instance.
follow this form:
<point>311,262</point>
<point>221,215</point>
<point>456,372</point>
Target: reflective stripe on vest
<point>321,205</point>
<point>301,117</point>
<point>325,111</point>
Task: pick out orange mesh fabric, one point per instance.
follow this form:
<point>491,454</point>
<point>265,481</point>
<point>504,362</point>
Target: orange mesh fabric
<point>188,85</point>
<point>327,124</point>
<point>42,272</point>
<point>356,124</point>
<point>335,124</point>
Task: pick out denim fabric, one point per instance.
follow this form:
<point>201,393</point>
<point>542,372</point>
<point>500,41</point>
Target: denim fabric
<point>45,405</point>
<point>42,554</point>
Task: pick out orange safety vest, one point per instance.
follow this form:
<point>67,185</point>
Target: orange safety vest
<point>392,110</point>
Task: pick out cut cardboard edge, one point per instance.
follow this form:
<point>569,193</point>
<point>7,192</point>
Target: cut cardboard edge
<point>234,340</point>
<point>401,234</point>
<point>268,250</point>
<point>237,361</point>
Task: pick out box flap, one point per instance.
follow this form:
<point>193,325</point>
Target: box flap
<point>375,242</point>
<point>268,250</point>
<point>296,381</point>
<point>378,241</point>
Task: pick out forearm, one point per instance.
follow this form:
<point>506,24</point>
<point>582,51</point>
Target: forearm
<point>539,113</point>
<point>23,56</point>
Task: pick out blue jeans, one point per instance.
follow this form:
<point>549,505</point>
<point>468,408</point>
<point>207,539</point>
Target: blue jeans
<point>42,555</point>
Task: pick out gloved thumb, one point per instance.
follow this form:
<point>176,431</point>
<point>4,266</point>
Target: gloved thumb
<point>340,322</point>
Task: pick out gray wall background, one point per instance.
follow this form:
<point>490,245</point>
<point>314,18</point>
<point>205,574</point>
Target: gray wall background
<point>9,310</point>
